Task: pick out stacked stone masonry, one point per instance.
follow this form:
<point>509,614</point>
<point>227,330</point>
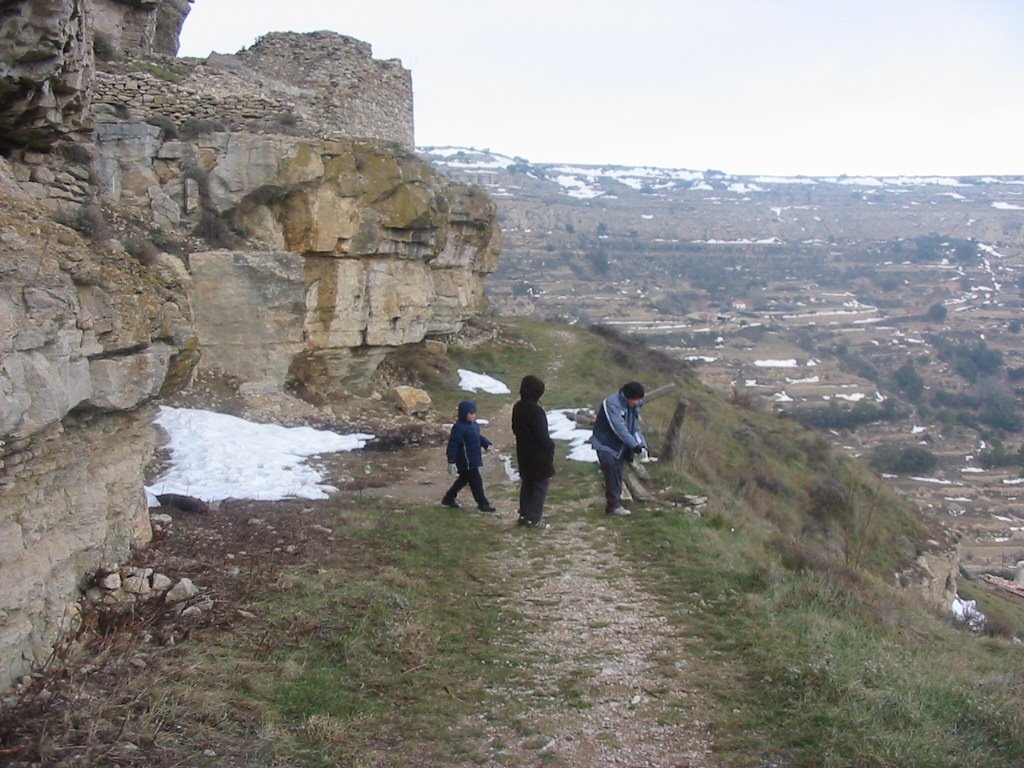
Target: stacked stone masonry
<point>314,84</point>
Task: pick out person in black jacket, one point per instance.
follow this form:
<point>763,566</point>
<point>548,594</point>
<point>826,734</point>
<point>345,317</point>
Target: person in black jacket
<point>465,459</point>
<point>535,452</point>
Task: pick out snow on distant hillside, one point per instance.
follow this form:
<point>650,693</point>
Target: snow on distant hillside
<point>467,159</point>
<point>590,181</point>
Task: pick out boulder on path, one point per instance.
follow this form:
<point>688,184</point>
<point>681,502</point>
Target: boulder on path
<point>411,400</point>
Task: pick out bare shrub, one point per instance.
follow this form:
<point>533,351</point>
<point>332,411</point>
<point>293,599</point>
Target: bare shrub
<point>199,126</point>
<point>103,47</point>
<point>167,126</point>
<point>76,152</point>
<point>90,222</point>
<point>770,483</point>
<point>213,229</point>
<point>631,352</point>
<point>829,499</point>
<point>745,397</point>
<point>999,626</point>
<point>801,555</point>
<point>142,249</point>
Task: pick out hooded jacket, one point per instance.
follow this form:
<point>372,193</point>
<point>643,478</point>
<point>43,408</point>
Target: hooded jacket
<point>617,428</point>
<point>465,442</point>
<point>535,450</point>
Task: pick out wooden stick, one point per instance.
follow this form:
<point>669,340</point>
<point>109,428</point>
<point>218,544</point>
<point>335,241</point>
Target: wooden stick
<point>661,391</point>
<point>673,445</point>
<point>636,488</point>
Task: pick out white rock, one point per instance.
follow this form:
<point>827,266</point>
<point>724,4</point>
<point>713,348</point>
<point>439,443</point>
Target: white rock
<point>111,581</point>
<point>160,582</point>
<point>182,591</point>
<point>137,585</point>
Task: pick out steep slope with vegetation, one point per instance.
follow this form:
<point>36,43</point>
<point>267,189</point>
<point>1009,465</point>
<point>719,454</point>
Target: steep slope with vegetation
<point>378,629</point>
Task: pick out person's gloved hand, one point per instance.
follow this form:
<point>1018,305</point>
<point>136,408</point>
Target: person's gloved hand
<point>638,449</point>
<point>452,469</point>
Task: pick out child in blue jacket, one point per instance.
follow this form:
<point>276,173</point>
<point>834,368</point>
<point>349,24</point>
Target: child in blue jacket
<point>464,457</point>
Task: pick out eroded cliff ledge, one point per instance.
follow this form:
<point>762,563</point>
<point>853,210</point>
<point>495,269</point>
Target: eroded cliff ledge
<point>370,249</point>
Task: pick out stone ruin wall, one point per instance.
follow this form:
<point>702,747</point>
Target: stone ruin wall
<point>351,91</point>
<point>315,84</point>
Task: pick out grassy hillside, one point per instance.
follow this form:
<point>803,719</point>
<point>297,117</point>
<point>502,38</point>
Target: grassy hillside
<point>815,659</point>
<point>763,471</point>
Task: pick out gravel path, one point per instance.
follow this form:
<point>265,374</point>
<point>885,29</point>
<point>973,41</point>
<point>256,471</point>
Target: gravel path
<point>605,679</point>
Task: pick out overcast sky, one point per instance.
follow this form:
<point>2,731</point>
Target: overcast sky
<point>812,87</point>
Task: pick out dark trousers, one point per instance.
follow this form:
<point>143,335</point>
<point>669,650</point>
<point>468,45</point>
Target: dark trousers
<point>472,478</point>
<point>531,498</point>
<point>611,466</point>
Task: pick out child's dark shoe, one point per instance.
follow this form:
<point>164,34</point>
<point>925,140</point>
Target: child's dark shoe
<point>487,508</point>
<point>451,504</point>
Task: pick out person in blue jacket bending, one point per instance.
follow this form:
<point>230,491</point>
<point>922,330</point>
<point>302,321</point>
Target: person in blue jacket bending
<point>465,458</point>
<point>618,437</point>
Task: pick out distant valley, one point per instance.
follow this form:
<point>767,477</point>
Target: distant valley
<point>887,311</point>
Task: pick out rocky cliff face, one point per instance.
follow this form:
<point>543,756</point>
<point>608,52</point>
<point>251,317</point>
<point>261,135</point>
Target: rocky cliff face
<point>139,27</point>
<point>367,249</point>
<point>87,339</point>
<point>298,261</point>
<point>45,72</point>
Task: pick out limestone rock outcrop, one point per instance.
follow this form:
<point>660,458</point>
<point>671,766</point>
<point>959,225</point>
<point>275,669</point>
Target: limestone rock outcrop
<point>45,71</point>
<point>139,27</point>
<point>49,58</point>
<point>86,341</point>
<point>82,327</point>
<point>411,400</point>
<point>357,246</point>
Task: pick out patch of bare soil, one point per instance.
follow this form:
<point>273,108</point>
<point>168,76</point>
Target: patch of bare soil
<point>86,709</point>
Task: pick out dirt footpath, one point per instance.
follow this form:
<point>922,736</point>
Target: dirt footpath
<point>607,680</point>
<point>606,676</point>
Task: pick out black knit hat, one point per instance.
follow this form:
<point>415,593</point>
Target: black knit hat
<point>634,390</point>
